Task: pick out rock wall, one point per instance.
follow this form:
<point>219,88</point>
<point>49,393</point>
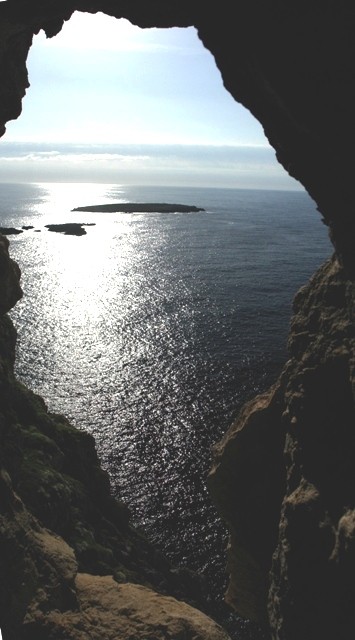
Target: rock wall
<point>283,475</point>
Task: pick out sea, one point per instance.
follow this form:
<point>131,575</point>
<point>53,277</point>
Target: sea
<point>153,329</point>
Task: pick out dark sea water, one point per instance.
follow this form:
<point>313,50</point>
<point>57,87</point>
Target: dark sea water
<point>151,330</point>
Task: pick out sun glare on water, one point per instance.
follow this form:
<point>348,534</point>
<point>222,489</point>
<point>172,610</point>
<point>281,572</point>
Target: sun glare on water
<point>81,266</point>
<point>59,199</point>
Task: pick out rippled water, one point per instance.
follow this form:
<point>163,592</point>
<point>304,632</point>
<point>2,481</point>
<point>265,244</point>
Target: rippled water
<point>152,329</point>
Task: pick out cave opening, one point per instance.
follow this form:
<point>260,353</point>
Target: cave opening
<point>114,86</point>
<point>215,300</point>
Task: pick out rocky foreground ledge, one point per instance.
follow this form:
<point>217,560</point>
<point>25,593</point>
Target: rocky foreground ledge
<point>141,207</point>
<point>71,565</point>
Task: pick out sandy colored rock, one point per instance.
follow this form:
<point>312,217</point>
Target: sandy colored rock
<point>58,552</point>
<point>109,611</point>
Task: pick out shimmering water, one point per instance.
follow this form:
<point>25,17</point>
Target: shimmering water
<point>152,329</point>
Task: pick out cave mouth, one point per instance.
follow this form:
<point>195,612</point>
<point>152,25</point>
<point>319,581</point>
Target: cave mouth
<point>151,330</point>
<point>204,304</point>
<point>139,106</point>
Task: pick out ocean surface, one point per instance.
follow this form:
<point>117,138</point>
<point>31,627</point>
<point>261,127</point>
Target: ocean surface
<point>152,330</point>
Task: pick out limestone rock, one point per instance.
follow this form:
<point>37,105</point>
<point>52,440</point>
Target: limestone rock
<point>35,564</point>
<point>43,596</point>
<point>111,611</point>
<point>284,476</point>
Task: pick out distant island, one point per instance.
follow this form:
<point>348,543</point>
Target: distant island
<point>7,231</point>
<point>141,207</point>
<point>70,228</point>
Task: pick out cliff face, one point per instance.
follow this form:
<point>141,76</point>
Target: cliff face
<point>283,475</point>
<point>314,560</point>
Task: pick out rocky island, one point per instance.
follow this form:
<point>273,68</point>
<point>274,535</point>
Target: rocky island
<point>141,207</point>
<point>70,228</point>
<point>10,231</point>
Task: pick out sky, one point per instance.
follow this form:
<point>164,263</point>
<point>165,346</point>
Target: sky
<point>110,102</point>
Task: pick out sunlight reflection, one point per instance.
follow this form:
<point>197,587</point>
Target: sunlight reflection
<point>82,267</point>
<point>60,198</point>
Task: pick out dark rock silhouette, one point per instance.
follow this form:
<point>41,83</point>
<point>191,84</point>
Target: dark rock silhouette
<point>68,228</point>
<point>288,463</point>
<point>10,231</point>
<point>141,207</point>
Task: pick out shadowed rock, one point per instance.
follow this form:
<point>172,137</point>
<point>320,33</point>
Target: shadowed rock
<point>69,228</point>
<point>283,476</point>
<point>10,231</point>
<point>10,290</point>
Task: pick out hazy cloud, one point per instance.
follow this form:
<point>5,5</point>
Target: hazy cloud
<point>183,165</point>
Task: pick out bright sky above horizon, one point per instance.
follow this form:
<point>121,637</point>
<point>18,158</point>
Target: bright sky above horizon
<point>110,99</point>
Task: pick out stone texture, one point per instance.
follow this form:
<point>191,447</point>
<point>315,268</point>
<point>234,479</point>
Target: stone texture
<point>43,597</point>
<point>128,611</point>
<point>284,476</point>
<point>312,577</point>
<point>35,564</point>
<point>247,482</point>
